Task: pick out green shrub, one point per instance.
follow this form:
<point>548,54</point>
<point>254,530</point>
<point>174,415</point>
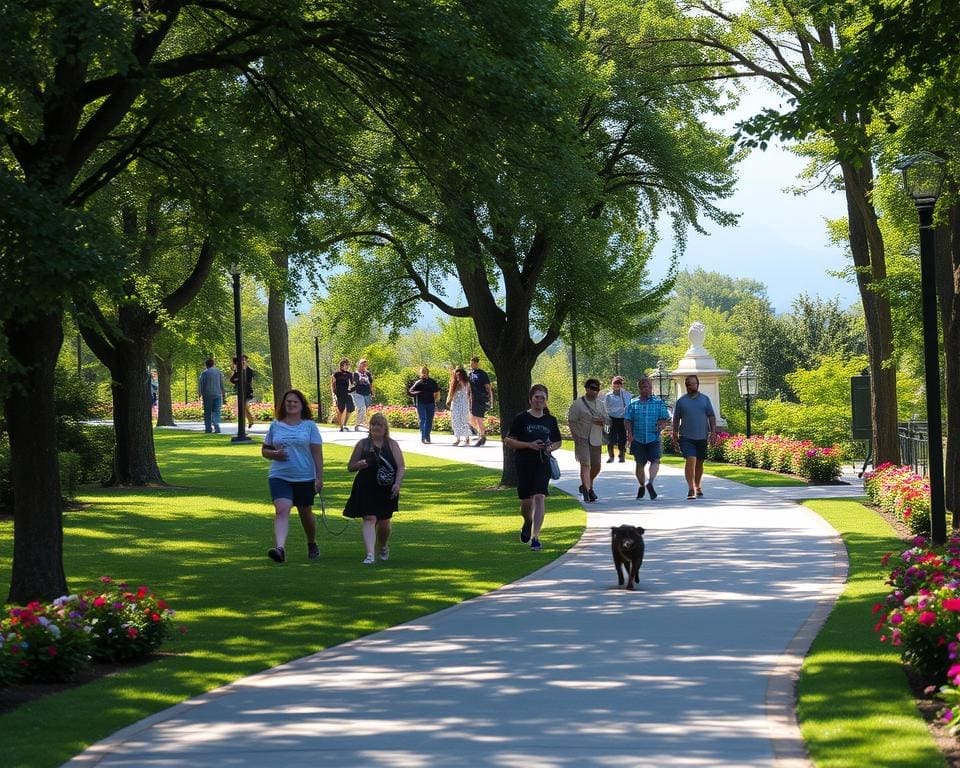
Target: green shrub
<point>93,444</point>
<point>69,465</point>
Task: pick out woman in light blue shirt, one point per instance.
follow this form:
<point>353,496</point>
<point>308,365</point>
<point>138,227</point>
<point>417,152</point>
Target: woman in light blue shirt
<point>295,450</point>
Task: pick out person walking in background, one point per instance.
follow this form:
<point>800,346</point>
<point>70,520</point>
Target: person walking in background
<point>425,392</point>
<point>458,401</point>
<point>212,393</point>
<point>154,390</point>
<point>362,392</point>
<point>646,415</point>
<point>586,418</point>
<point>375,494</point>
<point>248,376</point>
<point>533,434</point>
<point>481,398</point>
<point>694,427</point>
<point>616,401</point>
<point>295,450</point>
<point>341,382</point>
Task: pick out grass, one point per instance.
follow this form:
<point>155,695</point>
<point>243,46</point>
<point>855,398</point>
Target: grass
<point>855,705</point>
<point>201,545</point>
<point>755,478</point>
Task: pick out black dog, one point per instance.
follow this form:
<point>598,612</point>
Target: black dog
<point>626,541</point>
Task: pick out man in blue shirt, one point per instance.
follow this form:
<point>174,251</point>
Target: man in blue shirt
<point>694,427</point>
<point>645,416</point>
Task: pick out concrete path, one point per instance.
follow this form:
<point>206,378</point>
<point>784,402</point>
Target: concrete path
<point>560,669</point>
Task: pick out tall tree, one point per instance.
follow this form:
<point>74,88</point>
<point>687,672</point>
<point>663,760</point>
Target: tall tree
<point>560,221</point>
<point>789,45</point>
<point>902,64</point>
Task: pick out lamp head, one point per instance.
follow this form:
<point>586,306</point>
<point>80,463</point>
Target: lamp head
<point>234,268</point>
<point>923,175</point>
<point>748,382</point>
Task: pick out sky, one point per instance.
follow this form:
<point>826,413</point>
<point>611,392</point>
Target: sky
<point>781,238</point>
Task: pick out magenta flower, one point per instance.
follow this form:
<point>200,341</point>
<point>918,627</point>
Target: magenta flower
<point>927,618</point>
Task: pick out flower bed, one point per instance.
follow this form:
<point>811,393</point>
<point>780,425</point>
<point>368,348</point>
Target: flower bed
<point>900,492</point>
<point>778,454</point>
<point>53,641</point>
<point>921,615</point>
<point>405,417</point>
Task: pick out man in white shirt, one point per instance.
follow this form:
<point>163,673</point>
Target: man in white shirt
<point>616,401</point>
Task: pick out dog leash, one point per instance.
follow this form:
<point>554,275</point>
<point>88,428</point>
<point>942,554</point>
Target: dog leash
<point>323,519</point>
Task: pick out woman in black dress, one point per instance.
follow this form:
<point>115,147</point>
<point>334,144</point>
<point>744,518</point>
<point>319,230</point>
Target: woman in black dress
<point>375,495</point>
<point>534,433</point>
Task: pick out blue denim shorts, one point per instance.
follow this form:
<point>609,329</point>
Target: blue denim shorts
<point>644,452</point>
<point>690,447</point>
<point>301,492</point>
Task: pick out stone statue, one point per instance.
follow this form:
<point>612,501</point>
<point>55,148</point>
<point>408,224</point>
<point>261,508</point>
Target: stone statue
<point>696,335</point>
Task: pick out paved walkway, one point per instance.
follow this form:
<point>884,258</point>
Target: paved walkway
<point>560,669</point>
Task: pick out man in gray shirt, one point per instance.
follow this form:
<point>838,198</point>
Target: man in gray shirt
<point>694,426</point>
<point>212,393</point>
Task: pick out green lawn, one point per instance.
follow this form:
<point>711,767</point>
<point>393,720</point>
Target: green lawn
<point>855,706</point>
<point>755,478</point>
<point>201,545</point>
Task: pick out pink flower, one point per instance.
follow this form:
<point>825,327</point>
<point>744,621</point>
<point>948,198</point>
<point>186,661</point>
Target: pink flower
<point>951,604</point>
<point>927,618</point>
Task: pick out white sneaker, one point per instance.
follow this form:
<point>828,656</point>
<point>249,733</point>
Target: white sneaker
<point>368,560</point>
<point>384,553</point>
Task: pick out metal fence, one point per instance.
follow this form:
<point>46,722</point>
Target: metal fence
<point>913,445</point>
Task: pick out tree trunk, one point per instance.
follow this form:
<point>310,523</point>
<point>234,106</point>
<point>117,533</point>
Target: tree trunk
<point>164,390</point>
<point>277,331</point>
<point>866,246</point>
<point>513,376</point>
<point>37,572</point>
<point>135,460</point>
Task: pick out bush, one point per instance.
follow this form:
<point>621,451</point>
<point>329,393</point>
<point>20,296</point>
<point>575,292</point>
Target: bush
<point>93,445</point>
<point>50,642</point>
<point>901,492</point>
<point>45,642</point>
<point>922,612</point>
<point>405,417</point>
<point>124,623</point>
<point>797,457</point>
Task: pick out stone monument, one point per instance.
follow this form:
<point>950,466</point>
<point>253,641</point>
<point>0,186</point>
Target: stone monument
<point>697,360</point>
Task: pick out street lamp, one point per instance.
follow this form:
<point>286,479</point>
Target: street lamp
<point>923,176</point>
<point>241,436</point>
<point>748,383</point>
<point>316,359</point>
<point>661,377</point>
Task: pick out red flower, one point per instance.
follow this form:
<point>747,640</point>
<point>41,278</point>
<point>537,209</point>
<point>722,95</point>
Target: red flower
<point>951,604</point>
<point>927,618</point>
<point>132,632</point>
<point>51,651</point>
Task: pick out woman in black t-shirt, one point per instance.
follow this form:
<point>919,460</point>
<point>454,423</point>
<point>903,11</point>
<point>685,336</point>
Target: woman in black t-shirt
<point>534,433</point>
<point>341,384</point>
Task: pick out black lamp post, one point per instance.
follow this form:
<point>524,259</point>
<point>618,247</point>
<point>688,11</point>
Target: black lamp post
<point>662,379</point>
<point>316,358</point>
<point>241,436</point>
<point>923,176</point>
<point>748,383</point>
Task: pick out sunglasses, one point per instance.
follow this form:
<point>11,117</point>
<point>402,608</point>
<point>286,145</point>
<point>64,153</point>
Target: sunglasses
<point>593,389</point>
